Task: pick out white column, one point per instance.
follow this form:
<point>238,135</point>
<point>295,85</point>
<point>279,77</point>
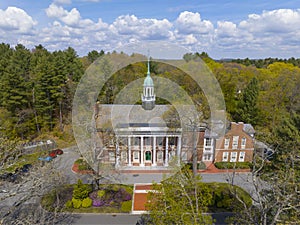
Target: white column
<point>129,151</point>
<point>178,149</point>
<point>142,151</point>
<point>154,151</point>
<point>167,152</point>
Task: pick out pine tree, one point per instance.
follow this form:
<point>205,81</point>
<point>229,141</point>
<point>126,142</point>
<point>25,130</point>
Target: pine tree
<point>247,110</point>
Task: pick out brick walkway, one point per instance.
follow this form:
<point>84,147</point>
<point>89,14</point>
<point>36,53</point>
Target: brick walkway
<point>140,198</point>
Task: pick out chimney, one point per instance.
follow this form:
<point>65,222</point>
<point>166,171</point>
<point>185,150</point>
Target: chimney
<point>237,126</point>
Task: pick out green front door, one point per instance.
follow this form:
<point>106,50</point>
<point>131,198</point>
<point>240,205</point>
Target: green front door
<point>148,156</point>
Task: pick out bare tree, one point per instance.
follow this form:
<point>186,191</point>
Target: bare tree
<point>275,193</point>
<point>22,192</point>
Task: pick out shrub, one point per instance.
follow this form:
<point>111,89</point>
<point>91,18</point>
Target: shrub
<point>81,191</point>
<point>127,197</point>
<point>126,206</point>
<point>82,164</point>
<point>87,202</point>
<point>129,189</point>
<point>69,204</point>
<point>76,203</point>
<point>231,165</point>
<point>224,198</point>
<point>98,202</point>
<point>200,166</point>
<point>101,193</point>
<point>93,195</point>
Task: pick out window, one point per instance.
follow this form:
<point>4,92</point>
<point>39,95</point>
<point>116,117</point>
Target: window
<point>233,156</point>
<point>242,157</point>
<point>243,144</point>
<point>136,156</point>
<point>136,141</point>
<point>208,141</point>
<point>225,157</point>
<point>159,156</point>
<point>111,156</point>
<point>147,140</point>
<point>171,154</point>
<point>124,156</point>
<point>171,140</point>
<point>235,142</point>
<point>148,156</point>
<point>159,141</point>
<point>226,143</point>
<point>207,157</point>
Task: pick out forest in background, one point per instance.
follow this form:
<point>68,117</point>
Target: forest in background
<point>37,88</point>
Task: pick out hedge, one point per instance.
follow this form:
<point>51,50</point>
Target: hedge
<point>200,166</point>
<point>232,165</point>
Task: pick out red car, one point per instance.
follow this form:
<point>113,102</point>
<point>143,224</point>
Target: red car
<point>56,152</point>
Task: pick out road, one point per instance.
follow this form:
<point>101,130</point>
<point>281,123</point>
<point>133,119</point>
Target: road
<point>113,219</point>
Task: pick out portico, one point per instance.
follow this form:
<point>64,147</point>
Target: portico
<point>147,145</point>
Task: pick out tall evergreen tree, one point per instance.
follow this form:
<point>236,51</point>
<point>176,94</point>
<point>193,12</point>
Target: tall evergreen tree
<point>15,85</point>
<point>247,110</point>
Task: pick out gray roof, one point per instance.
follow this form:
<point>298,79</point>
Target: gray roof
<point>248,128</point>
<point>129,114</point>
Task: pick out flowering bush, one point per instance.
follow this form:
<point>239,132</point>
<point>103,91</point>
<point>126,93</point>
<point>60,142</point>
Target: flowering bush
<point>127,197</point>
<point>98,203</point>
<point>110,196</point>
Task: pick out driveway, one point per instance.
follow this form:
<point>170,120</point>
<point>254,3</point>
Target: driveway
<point>64,164</point>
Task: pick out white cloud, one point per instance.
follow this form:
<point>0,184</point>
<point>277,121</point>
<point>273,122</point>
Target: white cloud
<point>190,39</point>
<point>276,21</point>
<point>144,28</point>
<point>191,23</point>
<point>71,18</point>
<point>17,20</point>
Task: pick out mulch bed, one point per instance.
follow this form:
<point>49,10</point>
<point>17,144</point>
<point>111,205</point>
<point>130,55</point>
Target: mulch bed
<point>75,169</point>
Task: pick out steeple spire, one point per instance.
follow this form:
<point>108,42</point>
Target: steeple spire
<point>148,72</point>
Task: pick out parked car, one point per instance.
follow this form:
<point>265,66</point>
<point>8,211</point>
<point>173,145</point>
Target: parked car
<point>47,158</point>
<point>58,151</point>
<point>52,154</point>
<point>25,168</point>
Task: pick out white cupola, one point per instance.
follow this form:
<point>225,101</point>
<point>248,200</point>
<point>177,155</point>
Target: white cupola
<point>148,96</point>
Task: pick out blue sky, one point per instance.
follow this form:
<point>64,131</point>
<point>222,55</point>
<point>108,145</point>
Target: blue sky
<point>224,29</point>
